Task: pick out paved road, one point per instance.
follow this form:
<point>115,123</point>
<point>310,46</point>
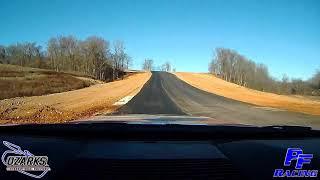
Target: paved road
<point>164,93</point>
<point>152,99</point>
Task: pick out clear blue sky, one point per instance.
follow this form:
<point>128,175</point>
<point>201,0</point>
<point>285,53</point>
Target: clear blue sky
<point>284,35</point>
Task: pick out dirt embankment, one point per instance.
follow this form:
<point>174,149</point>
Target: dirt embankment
<point>66,106</point>
<point>212,84</point>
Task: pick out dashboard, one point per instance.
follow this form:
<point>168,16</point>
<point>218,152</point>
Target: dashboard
<point>100,154</point>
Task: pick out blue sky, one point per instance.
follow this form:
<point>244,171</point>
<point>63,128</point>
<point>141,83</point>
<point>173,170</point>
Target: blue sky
<point>284,35</point>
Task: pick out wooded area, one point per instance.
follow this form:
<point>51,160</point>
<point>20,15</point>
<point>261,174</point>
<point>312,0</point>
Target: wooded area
<point>236,68</point>
<point>93,56</point>
<point>148,65</point>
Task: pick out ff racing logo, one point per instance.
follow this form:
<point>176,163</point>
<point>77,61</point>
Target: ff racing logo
<point>296,155</point>
<point>24,161</point>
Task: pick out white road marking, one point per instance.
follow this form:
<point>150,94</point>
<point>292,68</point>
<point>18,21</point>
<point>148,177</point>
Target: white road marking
<point>123,101</point>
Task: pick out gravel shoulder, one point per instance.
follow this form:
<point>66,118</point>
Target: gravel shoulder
<point>66,106</point>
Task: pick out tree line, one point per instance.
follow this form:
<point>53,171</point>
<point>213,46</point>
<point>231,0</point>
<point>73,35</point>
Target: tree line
<point>236,68</point>
<point>93,56</point>
<point>148,65</point>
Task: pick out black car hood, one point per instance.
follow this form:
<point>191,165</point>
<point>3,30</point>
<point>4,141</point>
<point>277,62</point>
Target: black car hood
<point>155,119</point>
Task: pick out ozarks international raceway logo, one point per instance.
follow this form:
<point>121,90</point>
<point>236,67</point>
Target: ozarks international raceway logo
<point>296,155</point>
<point>22,161</point>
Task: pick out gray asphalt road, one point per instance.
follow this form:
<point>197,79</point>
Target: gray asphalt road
<point>164,93</point>
<point>152,99</point>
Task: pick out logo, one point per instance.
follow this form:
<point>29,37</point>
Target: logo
<point>24,162</point>
<point>295,156</point>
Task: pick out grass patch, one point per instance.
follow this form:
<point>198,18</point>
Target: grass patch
<point>17,81</point>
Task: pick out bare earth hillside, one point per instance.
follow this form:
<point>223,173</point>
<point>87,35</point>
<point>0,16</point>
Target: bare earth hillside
<point>66,106</point>
<point>212,84</point>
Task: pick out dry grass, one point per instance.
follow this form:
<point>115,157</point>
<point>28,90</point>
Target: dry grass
<point>220,87</point>
<point>17,81</point>
<point>66,106</point>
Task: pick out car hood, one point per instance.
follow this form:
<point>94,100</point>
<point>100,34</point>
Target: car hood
<point>156,119</point>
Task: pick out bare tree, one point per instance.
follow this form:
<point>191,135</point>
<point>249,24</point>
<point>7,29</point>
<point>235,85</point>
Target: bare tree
<point>97,51</point>
<point>285,84</point>
<point>53,52</point>
<point>121,60</point>
<point>315,83</point>
<point>167,66</point>
<point>2,54</point>
<point>147,65</point>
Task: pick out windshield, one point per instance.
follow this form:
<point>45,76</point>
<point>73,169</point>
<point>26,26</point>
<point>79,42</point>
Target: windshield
<point>195,62</point>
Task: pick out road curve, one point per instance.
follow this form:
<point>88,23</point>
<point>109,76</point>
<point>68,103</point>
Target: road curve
<point>164,93</point>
